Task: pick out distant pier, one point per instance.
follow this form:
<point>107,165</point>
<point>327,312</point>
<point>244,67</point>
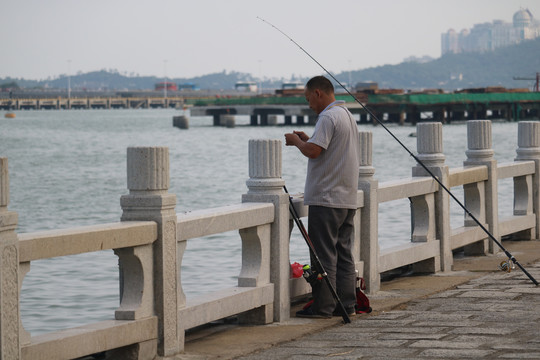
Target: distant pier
<point>392,108</point>
<point>91,103</point>
<point>262,114</point>
<point>265,110</point>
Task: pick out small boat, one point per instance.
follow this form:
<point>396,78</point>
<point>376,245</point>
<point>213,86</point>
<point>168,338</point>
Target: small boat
<point>10,115</point>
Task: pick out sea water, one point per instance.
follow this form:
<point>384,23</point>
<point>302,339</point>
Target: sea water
<point>68,168</point>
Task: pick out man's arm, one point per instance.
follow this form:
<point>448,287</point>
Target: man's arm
<point>299,139</point>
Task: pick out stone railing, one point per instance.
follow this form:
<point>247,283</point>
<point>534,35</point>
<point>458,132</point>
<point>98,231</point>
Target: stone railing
<point>151,240</point>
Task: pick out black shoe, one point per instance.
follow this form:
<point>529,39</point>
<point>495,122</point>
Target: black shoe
<point>308,313</point>
<point>338,312</point>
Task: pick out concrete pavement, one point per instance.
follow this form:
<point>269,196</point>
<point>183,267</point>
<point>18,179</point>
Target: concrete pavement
<point>475,311</point>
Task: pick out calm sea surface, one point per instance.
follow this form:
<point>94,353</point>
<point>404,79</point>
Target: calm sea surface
<point>68,168</point>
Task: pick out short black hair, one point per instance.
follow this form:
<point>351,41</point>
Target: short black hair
<point>322,83</point>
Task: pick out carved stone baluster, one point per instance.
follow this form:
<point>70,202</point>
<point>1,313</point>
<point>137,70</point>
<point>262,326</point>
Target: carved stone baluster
<point>368,219</point>
<point>148,199</point>
<point>10,324</point>
<point>481,199</point>
<point>430,151</point>
<point>529,149</point>
<point>265,185</point>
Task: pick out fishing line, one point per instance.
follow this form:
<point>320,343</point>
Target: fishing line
<point>373,116</point>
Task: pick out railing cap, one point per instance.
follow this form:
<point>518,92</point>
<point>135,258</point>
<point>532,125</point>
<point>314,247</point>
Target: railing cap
<point>264,166</point>
<point>148,168</point>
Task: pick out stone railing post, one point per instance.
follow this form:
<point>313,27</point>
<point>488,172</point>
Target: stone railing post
<point>265,185</point>
<point>529,149</point>
<point>9,273</point>
<point>429,144</point>
<point>480,152</point>
<point>369,214</point>
<point>149,200</point>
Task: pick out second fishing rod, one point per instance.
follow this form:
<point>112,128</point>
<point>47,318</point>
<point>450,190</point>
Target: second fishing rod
<point>418,161</point>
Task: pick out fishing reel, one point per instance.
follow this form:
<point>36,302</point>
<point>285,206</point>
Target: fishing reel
<point>310,276</point>
<point>507,266</point>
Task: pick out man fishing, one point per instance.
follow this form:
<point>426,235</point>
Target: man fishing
<point>331,194</point>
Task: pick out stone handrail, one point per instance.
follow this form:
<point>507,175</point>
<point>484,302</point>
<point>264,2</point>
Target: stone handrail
<point>515,169</point>
<point>467,175</point>
<point>206,222</point>
<point>406,188</point>
<point>84,239</point>
<point>151,240</point>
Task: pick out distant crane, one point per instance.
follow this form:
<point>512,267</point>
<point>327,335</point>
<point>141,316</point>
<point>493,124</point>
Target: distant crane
<point>536,85</point>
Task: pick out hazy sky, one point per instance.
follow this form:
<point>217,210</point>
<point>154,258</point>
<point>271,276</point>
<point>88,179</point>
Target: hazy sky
<point>180,38</point>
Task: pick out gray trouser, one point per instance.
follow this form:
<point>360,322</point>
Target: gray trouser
<point>331,231</point>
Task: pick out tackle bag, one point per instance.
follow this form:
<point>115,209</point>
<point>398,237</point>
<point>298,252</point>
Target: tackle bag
<point>362,302</point>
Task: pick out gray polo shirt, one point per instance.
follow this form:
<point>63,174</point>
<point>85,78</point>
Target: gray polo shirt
<point>332,178</point>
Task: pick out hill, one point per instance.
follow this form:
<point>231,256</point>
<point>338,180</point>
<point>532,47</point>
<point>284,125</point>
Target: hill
<point>449,72</point>
<point>104,80</point>
<point>457,71</point>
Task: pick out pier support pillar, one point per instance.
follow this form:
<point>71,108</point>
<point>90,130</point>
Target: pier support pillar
<point>413,116</point>
<point>149,200</point>
<point>374,116</point>
<point>440,115</point>
<point>363,118</point>
<point>394,118</point>
<point>288,120</point>
<point>401,117</point>
<point>264,119</point>
<point>484,206</point>
<point>181,122</point>
<point>266,185</point>
<point>529,149</point>
<point>509,112</point>
<point>272,120</point>
<point>458,115</point>
<point>368,251</point>
<point>429,144</point>
<point>10,324</point>
<point>227,120</point>
<point>216,119</point>
<point>481,112</point>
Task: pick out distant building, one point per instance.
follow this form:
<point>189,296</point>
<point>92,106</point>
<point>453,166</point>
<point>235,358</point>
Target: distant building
<point>366,86</point>
<point>246,86</point>
<point>489,36</point>
<point>170,86</point>
<point>188,86</point>
<point>291,88</point>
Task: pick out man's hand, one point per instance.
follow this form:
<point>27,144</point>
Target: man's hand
<point>302,135</point>
<point>293,139</point>
<point>299,139</point>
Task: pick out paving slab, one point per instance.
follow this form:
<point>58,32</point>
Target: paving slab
<point>475,312</point>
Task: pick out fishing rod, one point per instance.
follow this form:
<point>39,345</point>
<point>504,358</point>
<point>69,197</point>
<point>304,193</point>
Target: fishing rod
<point>373,116</point>
<point>315,258</point>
